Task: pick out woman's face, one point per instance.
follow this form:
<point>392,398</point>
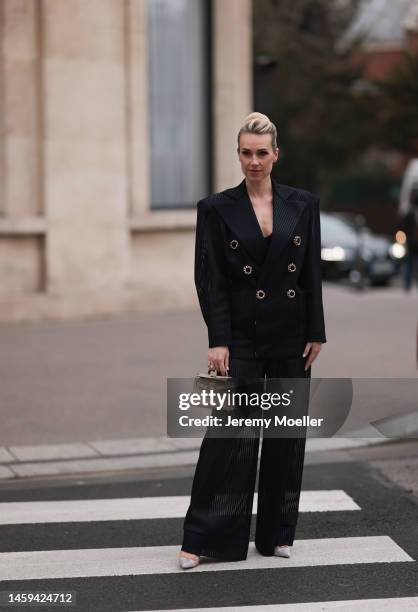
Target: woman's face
<point>256,156</point>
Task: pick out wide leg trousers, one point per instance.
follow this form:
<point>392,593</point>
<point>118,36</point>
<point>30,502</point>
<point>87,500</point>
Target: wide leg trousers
<point>218,520</point>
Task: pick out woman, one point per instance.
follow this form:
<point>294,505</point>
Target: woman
<point>258,279</point>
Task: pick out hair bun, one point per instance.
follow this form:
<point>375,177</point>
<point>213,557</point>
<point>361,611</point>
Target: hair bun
<point>258,123</point>
<point>257,120</point>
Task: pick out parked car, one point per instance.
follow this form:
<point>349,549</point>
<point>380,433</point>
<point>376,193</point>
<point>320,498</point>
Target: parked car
<point>354,252</point>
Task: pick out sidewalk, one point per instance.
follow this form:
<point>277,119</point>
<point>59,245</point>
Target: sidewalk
<point>397,459</point>
<point>90,394</point>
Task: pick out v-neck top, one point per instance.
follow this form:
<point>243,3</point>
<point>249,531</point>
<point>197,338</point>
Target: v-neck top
<point>267,240</point>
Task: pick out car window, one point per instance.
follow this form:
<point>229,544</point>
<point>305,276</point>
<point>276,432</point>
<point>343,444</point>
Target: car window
<point>336,231</point>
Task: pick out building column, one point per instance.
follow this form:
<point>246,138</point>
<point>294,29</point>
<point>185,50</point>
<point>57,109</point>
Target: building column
<point>85,160</point>
<point>20,133</point>
<point>232,85</point>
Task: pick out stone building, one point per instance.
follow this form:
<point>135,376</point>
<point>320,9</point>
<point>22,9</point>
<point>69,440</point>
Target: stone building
<point>384,31</point>
<point>116,116</point>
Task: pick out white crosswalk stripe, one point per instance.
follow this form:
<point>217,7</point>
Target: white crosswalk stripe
<point>393,604</point>
<point>135,508</point>
<point>163,559</point>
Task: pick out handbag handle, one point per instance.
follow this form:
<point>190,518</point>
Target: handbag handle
<point>214,374</point>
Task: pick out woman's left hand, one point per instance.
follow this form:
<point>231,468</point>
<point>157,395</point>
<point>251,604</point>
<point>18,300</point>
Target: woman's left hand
<point>312,350</point>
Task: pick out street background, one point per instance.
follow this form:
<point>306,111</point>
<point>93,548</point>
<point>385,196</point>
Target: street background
<point>117,116</point>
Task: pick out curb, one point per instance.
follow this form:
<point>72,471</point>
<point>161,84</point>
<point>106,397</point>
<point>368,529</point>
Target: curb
<point>138,453</point>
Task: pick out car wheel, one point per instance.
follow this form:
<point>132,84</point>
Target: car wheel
<point>385,282</point>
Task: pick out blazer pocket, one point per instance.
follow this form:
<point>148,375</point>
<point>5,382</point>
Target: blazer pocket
<point>242,312</point>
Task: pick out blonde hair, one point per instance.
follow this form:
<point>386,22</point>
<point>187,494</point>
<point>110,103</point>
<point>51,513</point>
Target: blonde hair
<point>257,123</point>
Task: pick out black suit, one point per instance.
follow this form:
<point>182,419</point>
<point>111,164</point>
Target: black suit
<point>264,302</point>
<point>260,304</point>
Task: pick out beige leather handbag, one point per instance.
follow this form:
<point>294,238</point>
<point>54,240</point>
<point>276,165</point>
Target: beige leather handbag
<point>212,381</point>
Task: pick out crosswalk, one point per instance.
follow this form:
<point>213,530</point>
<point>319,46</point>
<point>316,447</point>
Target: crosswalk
<point>159,560</point>
<point>404,604</point>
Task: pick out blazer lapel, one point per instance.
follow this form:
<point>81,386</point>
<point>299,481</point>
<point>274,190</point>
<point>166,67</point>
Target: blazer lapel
<point>286,213</point>
<point>238,213</point>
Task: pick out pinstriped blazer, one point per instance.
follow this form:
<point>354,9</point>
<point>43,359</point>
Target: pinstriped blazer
<point>260,303</point>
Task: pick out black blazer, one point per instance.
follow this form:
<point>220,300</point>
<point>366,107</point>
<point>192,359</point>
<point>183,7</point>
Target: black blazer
<point>258,302</point>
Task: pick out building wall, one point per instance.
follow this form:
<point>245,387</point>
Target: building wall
<point>77,236</point>
<point>379,62</point>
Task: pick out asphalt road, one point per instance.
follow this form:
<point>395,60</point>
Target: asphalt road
<point>105,378</point>
<point>383,524</point>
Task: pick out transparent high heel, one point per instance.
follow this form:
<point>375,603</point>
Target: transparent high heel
<point>282,551</point>
<point>187,563</point>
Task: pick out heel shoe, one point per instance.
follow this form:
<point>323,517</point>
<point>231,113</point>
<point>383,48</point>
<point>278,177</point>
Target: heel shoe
<point>282,551</point>
<point>187,563</point>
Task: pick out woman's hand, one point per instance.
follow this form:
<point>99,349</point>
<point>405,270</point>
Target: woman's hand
<point>218,359</point>
<point>312,350</point>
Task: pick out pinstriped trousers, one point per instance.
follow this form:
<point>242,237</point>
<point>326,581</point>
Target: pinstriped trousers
<point>218,520</point>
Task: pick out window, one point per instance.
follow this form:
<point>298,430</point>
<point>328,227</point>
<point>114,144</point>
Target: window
<point>179,101</point>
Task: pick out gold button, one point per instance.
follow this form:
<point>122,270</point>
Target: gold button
<point>297,240</point>
<point>291,293</point>
<point>247,269</point>
<point>234,244</point>
<point>260,294</point>
<point>291,267</point>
